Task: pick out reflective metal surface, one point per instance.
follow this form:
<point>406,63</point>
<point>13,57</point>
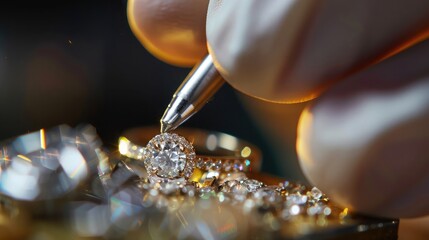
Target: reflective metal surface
<point>195,91</point>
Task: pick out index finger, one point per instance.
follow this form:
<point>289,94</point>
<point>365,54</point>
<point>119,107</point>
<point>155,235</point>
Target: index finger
<point>171,30</point>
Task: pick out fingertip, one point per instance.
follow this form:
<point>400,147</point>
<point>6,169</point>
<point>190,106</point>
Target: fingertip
<point>292,51</point>
<point>364,141</point>
<point>172,31</point>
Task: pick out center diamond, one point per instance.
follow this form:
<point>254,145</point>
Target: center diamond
<point>167,155</point>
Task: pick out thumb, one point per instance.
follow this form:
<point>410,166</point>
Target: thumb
<point>291,50</point>
<point>364,142</point>
<point>172,30</point>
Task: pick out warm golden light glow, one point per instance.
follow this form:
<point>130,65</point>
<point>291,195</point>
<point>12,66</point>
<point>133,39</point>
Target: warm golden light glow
<point>344,213</point>
<point>42,139</point>
<point>409,43</point>
<point>178,36</point>
<point>246,151</point>
<point>196,176</point>
<point>304,128</point>
<point>3,154</point>
<point>124,145</point>
<point>24,158</point>
<point>162,54</point>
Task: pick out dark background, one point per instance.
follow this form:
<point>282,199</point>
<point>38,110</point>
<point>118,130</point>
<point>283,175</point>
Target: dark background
<point>78,62</point>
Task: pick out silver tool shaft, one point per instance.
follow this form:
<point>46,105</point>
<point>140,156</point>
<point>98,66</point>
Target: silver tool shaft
<point>195,91</point>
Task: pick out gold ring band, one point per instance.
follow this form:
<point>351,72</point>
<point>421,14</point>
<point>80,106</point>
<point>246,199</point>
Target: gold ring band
<point>216,151</point>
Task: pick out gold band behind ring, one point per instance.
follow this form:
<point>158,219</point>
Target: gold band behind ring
<point>215,151</point>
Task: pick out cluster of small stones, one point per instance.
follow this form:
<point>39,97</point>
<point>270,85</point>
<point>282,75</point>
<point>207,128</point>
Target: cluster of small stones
<point>134,151</point>
<point>224,165</point>
<point>169,155</point>
<point>170,161</point>
<point>286,200</point>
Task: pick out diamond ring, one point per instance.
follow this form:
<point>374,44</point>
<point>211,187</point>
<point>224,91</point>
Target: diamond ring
<point>171,156</point>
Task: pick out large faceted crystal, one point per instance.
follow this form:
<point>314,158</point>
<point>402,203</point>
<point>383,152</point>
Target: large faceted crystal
<point>167,155</point>
<point>47,164</point>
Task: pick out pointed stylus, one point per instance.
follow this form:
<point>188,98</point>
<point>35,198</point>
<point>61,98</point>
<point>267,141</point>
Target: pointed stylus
<point>194,92</point>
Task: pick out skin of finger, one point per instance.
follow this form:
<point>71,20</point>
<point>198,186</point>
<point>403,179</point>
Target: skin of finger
<point>364,142</point>
<point>292,50</point>
<point>172,30</point>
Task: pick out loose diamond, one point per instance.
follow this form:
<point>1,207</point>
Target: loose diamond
<point>232,176</point>
<point>167,155</point>
<point>243,186</point>
<point>316,193</point>
<point>228,186</point>
<point>200,163</point>
<point>209,164</point>
<point>251,184</point>
<point>239,189</point>
<point>227,165</point>
<point>217,165</point>
<point>267,193</point>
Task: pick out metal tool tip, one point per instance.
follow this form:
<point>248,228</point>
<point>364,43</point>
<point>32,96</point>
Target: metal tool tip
<point>165,127</point>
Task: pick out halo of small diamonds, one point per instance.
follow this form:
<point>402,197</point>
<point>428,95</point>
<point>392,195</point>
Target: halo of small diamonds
<point>169,155</point>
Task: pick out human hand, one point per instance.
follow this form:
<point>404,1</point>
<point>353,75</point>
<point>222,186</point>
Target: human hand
<point>363,141</point>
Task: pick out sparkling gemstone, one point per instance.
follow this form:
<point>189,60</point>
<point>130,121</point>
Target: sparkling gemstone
<point>209,164</point>
<point>296,199</point>
<point>232,176</point>
<point>189,169</point>
<point>243,186</point>
<point>267,193</point>
<point>315,209</point>
<point>285,184</point>
<point>217,165</point>
<point>316,193</point>
<point>227,186</point>
<point>239,189</point>
<point>227,165</point>
<point>251,184</point>
<point>200,163</point>
<point>49,163</point>
<point>167,155</point>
